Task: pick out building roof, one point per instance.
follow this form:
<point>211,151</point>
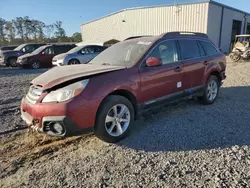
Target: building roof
<point>190,3</point>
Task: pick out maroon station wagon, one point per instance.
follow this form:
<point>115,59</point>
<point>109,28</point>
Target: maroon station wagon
<point>42,57</point>
<point>128,78</point>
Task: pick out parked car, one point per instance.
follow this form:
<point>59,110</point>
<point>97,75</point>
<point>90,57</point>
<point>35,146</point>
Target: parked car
<point>126,79</point>
<point>9,58</point>
<point>42,57</point>
<point>78,55</point>
<point>7,48</point>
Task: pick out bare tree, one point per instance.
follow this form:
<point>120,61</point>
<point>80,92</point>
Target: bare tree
<point>18,23</point>
<point>2,30</point>
<point>60,32</point>
<point>10,30</point>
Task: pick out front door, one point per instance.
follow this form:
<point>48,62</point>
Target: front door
<point>47,56</point>
<point>160,82</point>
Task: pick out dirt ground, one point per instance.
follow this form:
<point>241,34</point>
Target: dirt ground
<point>182,145</point>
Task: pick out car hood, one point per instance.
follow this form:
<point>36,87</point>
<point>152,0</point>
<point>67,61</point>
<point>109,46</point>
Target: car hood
<point>60,56</point>
<point>26,55</point>
<point>59,75</point>
<point>14,52</point>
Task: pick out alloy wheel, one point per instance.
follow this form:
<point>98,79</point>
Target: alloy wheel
<point>35,65</point>
<point>212,90</point>
<point>117,120</point>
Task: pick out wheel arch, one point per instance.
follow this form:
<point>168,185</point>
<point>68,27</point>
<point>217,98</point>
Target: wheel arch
<point>217,74</point>
<point>74,58</point>
<point>124,93</point>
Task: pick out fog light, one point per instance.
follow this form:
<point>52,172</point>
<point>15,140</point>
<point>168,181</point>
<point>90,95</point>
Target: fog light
<point>58,128</point>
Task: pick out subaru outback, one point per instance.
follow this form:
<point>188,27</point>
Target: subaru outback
<point>126,79</point>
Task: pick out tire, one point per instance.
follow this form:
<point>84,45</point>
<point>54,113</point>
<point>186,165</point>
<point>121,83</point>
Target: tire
<point>74,62</point>
<point>12,62</point>
<point>235,57</point>
<point>211,91</point>
<point>35,65</point>
<point>108,128</point>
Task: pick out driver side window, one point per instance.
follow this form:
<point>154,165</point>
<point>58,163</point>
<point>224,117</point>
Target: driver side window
<point>49,51</point>
<point>166,51</point>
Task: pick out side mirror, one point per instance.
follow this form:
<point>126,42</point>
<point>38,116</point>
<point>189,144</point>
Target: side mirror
<point>43,53</point>
<point>153,62</point>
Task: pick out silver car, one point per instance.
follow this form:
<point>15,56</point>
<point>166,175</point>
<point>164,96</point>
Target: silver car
<point>78,55</point>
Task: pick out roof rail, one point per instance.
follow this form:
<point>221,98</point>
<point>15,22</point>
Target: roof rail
<point>183,33</point>
<point>134,37</point>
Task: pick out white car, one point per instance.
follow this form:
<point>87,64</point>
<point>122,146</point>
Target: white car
<point>78,55</point>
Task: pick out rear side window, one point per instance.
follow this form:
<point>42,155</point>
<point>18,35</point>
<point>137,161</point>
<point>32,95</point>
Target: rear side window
<point>98,49</point>
<point>189,49</point>
<point>63,49</point>
<point>208,47</point>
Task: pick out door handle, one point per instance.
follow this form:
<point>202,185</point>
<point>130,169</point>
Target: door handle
<point>205,63</point>
<point>178,69</point>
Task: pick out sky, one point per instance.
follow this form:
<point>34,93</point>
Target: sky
<point>73,13</point>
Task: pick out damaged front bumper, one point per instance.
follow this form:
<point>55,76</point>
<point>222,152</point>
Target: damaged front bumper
<point>52,125</point>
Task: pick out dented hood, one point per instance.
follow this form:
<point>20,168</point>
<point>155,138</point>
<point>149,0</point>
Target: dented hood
<point>59,75</point>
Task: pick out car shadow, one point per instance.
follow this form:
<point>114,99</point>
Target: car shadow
<point>189,125</point>
<point>20,71</point>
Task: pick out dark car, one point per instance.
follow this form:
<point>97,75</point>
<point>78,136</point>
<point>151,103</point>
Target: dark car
<point>42,57</point>
<point>109,92</point>
<point>9,58</point>
<point>7,48</point>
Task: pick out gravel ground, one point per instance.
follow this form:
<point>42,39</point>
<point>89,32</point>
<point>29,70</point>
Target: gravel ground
<point>182,145</point>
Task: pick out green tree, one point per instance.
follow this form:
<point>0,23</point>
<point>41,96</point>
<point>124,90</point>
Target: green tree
<point>77,37</point>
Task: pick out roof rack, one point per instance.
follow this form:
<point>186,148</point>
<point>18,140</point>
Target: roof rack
<point>134,37</point>
<point>183,33</point>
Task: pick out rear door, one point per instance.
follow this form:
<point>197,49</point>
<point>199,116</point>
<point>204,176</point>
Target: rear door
<point>162,82</point>
<point>193,60</point>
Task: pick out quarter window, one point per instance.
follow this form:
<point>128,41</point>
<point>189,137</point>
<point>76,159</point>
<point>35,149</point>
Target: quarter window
<point>189,49</point>
<point>208,47</point>
<point>166,51</point>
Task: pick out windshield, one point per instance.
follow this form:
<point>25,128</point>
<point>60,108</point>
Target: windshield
<point>125,53</point>
<point>76,49</point>
<point>39,50</point>
<point>20,47</point>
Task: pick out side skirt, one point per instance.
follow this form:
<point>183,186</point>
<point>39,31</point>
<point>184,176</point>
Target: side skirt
<point>169,99</point>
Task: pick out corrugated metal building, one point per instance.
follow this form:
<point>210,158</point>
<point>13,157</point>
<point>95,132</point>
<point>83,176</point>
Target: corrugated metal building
<point>219,21</point>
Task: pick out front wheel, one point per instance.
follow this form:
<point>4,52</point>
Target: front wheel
<point>235,57</point>
<point>12,62</point>
<point>74,62</point>
<point>211,91</point>
<point>35,65</point>
<point>114,119</point>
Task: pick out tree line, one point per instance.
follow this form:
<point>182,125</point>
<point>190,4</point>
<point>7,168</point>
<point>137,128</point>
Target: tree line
<point>24,29</point>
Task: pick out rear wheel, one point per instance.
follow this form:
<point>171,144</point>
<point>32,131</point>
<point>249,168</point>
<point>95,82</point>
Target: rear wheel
<point>114,119</point>
<point>74,62</point>
<point>211,92</point>
<point>35,65</point>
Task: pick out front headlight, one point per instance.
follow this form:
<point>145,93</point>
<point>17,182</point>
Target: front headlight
<point>66,93</point>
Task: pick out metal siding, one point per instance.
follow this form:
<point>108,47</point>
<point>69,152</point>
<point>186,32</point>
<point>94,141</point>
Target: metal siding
<point>229,16</point>
<point>214,23</point>
<point>147,21</point>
